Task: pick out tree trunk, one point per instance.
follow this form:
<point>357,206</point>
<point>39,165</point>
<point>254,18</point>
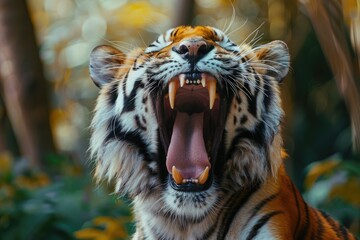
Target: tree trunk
<point>3,146</point>
<point>184,11</point>
<point>23,83</point>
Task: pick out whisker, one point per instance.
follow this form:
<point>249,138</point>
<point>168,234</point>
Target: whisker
<point>232,20</point>
<point>256,31</point>
<point>238,28</point>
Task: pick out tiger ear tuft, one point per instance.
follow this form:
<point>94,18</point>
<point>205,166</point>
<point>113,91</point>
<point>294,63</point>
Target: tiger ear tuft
<point>104,64</point>
<point>276,56</point>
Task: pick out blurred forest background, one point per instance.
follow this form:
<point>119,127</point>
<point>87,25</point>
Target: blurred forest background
<point>47,97</point>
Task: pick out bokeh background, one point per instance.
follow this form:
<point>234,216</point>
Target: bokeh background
<point>47,97</point>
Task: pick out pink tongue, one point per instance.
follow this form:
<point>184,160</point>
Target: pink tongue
<point>187,150</point>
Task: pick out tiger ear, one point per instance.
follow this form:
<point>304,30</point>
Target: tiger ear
<point>275,55</point>
<point>104,64</point>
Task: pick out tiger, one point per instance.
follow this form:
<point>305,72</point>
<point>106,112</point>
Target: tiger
<point>189,128</point>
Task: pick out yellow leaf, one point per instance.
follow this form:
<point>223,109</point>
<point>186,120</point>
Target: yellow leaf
<point>348,191</point>
<point>6,161</point>
<point>350,9</point>
<point>37,181</point>
<point>105,228</point>
<point>90,233</point>
<point>114,227</point>
<point>320,169</point>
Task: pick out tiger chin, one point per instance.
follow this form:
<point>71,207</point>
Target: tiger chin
<point>189,129</point>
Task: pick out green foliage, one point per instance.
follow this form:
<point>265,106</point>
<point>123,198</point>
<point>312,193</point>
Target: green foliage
<point>33,206</point>
<point>333,185</point>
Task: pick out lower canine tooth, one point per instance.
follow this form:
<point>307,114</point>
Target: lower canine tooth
<point>204,176</point>
<point>176,175</point>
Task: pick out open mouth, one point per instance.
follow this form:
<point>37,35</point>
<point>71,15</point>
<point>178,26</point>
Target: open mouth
<point>191,115</point>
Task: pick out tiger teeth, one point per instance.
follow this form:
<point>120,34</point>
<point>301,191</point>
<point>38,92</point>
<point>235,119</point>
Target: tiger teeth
<point>206,80</point>
<point>190,180</point>
<point>203,80</point>
<point>182,79</point>
<point>173,86</point>
<point>211,86</point>
<point>203,176</point>
<point>179,179</point>
<point>176,175</point>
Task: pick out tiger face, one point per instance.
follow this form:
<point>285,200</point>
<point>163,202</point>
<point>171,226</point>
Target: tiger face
<point>188,119</point>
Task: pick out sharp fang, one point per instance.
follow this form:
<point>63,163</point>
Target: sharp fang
<point>176,175</point>
<point>203,80</point>
<point>204,176</point>
<point>173,86</point>
<point>212,91</point>
<point>182,80</point>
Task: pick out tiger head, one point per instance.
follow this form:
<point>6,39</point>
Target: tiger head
<point>188,118</point>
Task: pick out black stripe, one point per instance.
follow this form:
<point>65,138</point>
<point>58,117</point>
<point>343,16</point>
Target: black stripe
<point>344,232</point>
<point>305,228</point>
<point>243,120</point>
<point>139,124</point>
<point>267,160</point>
<point>131,137</point>
<point>232,211</point>
<point>341,231</point>
<point>260,223</point>
<point>320,227</point>
<point>297,207</point>
<point>252,100</point>
<point>257,135</point>
<point>175,32</point>
<point>113,93</point>
<point>261,204</point>
<point>268,93</point>
<point>129,100</point>
<point>213,227</point>
<point>137,66</point>
<point>331,222</point>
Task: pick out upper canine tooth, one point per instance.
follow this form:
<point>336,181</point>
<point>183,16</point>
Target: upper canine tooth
<point>204,176</point>
<point>211,85</point>
<point>173,86</point>
<point>176,175</point>
<point>182,79</point>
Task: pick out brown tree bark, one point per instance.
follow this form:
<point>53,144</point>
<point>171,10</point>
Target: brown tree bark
<point>184,11</point>
<point>3,146</point>
<point>23,82</point>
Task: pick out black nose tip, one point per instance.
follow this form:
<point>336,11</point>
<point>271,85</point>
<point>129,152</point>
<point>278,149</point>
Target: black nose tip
<point>193,49</point>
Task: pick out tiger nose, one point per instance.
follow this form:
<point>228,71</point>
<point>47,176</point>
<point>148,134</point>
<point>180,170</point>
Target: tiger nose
<point>193,48</point>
